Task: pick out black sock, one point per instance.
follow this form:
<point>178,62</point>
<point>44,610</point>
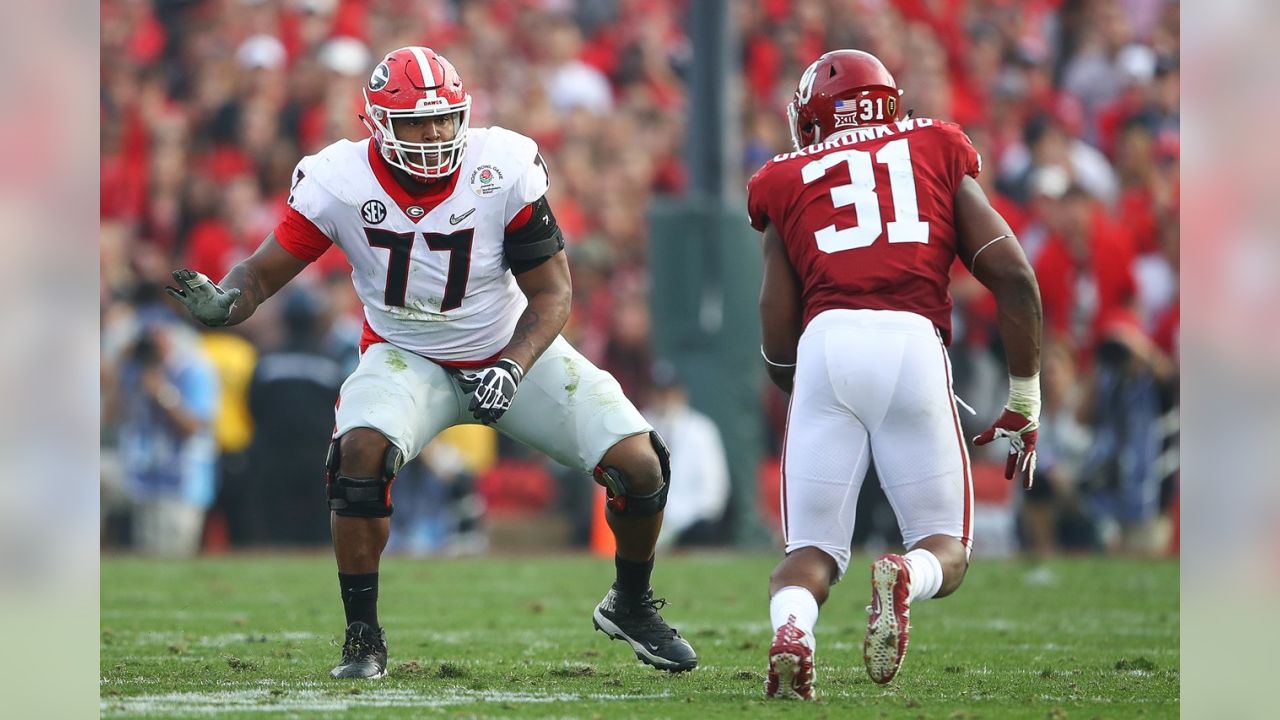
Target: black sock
<point>360,597</point>
<point>633,577</point>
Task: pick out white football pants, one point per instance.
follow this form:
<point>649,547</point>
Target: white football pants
<point>873,383</point>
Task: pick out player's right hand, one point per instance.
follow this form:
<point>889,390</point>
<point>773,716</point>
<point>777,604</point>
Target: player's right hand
<point>492,389</point>
<point>1022,433</point>
<point>202,297</point>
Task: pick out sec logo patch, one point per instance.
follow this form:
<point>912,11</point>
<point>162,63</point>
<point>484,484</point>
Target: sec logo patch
<point>373,212</point>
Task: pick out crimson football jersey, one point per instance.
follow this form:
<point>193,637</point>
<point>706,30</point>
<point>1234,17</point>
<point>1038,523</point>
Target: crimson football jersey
<point>868,216</point>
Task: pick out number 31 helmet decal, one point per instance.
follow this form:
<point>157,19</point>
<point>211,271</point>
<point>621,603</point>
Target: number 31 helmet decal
<point>841,89</point>
<point>417,82</point>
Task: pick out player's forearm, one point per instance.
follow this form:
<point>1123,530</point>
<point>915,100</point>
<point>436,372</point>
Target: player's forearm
<point>538,326</point>
<point>1019,316</point>
<point>780,336</point>
<point>779,351</point>
<point>781,311</point>
<point>784,378</point>
<point>243,277</point>
<point>260,276</point>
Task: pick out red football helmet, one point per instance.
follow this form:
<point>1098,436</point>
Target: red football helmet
<point>842,89</point>
<point>417,82</point>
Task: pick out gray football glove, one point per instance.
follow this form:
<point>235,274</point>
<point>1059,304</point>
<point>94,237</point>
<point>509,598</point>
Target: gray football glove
<point>207,302</point>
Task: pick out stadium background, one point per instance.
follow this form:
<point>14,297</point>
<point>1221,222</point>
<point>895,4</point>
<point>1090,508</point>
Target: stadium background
<point>207,105</point>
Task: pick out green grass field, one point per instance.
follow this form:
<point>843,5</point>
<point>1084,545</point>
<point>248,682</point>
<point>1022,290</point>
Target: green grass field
<point>255,636</point>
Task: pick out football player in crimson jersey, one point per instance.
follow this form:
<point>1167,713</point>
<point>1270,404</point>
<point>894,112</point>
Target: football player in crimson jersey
<point>458,261</point>
<point>861,225</point>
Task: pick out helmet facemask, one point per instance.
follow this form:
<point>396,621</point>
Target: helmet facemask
<point>416,158</point>
<point>803,131</point>
<point>793,124</point>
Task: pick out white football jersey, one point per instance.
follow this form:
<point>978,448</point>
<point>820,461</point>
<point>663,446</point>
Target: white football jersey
<point>432,276</point>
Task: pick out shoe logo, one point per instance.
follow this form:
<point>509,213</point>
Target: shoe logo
<point>789,633</point>
<point>455,219</point>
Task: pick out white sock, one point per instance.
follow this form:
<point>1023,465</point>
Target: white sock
<point>926,574</point>
<point>794,601</point>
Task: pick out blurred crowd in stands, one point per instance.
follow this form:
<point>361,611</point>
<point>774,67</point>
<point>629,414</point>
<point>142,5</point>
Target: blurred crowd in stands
<point>215,439</point>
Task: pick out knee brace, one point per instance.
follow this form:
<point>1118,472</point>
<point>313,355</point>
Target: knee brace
<point>622,502</point>
<point>361,497</point>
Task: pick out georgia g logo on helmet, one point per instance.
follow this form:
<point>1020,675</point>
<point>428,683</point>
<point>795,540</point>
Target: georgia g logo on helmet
<point>381,75</point>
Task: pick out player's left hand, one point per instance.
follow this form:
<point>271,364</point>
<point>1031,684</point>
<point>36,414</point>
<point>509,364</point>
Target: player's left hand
<point>203,298</point>
<point>492,389</point>
<point>1022,433</point>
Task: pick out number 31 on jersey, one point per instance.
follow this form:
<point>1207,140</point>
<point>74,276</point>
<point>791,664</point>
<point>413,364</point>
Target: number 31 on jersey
<point>861,194</point>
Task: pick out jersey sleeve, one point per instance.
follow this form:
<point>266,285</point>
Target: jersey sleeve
<point>532,237</point>
<point>531,234</point>
<point>964,156</point>
<point>532,184</point>
<point>970,159</point>
<point>758,211</point>
<point>307,229</point>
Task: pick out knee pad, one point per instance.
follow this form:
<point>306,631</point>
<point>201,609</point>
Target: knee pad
<point>361,497</point>
<point>664,455</point>
<point>621,501</point>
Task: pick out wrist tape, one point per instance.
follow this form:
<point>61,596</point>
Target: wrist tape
<point>1024,396</point>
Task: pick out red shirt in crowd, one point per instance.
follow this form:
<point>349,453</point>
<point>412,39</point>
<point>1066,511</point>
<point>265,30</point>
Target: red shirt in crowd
<point>1107,260</point>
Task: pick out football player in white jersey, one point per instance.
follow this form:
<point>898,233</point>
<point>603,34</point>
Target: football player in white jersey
<point>458,260</point>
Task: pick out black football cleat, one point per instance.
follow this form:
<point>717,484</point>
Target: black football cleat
<point>364,654</point>
<point>637,621</point>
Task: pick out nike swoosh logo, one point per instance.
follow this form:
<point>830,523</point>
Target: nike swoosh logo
<point>455,219</point>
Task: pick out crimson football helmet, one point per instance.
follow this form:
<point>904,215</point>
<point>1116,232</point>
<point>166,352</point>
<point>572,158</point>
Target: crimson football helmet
<point>842,89</point>
<point>417,82</point>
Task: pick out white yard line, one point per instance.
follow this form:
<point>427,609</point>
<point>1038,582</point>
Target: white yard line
<point>293,700</point>
<point>153,637</point>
